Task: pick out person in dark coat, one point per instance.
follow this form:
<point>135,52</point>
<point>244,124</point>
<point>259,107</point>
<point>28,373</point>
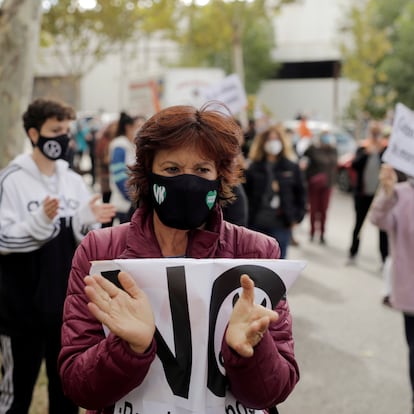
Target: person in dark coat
<point>275,187</point>
<point>367,164</point>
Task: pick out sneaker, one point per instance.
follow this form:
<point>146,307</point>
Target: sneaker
<point>322,240</point>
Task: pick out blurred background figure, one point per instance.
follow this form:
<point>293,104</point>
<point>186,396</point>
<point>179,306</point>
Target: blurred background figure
<point>80,133</point>
<point>249,135</point>
<point>321,160</point>
<point>236,211</point>
<point>392,211</point>
<point>367,164</point>
<point>303,130</point>
<point>290,135</point>
<point>104,137</point>
<point>275,187</point>
<point>122,155</point>
<point>304,134</point>
<point>83,159</point>
<point>94,125</point>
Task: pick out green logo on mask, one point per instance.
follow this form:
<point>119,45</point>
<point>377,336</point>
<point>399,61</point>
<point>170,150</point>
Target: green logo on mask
<point>211,198</point>
<point>159,193</point>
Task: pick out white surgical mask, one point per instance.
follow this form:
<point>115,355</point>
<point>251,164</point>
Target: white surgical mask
<point>273,147</point>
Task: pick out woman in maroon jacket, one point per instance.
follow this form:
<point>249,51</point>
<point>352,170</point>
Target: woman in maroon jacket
<point>185,168</point>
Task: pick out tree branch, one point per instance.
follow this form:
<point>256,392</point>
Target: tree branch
<point>9,10</point>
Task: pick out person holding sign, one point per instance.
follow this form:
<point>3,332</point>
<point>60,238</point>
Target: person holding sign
<point>392,211</point>
<point>185,170</point>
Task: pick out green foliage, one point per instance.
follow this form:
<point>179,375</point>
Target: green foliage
<point>399,64</point>
<point>258,42</point>
<point>363,59</point>
<point>81,38</point>
<point>214,31</point>
<point>381,58</point>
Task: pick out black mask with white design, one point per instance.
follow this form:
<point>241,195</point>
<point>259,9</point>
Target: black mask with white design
<point>184,201</point>
<point>53,148</point>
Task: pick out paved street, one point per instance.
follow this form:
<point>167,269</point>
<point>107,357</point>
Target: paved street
<point>351,349</point>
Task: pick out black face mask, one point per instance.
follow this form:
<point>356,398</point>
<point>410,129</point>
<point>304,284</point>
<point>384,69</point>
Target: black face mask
<point>184,201</point>
<point>53,148</point>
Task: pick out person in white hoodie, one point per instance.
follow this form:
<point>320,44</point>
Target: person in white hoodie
<point>122,156</point>
<point>392,211</point>
<point>45,210</point>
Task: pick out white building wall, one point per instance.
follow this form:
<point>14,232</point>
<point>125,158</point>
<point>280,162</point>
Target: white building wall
<point>321,99</point>
<point>308,30</point>
<point>101,89</point>
<point>106,86</point>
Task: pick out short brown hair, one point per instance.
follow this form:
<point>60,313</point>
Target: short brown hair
<point>41,109</point>
<point>209,131</point>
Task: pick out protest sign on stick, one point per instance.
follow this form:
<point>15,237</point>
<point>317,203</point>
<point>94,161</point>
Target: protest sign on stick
<point>228,91</point>
<point>400,151</point>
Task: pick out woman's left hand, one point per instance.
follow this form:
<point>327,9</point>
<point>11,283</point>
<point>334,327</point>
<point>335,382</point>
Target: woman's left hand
<point>248,321</point>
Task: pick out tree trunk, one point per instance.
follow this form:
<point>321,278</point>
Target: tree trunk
<point>238,64</point>
<point>19,40</point>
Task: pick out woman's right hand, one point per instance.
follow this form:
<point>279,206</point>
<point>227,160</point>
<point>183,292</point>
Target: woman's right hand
<point>127,313</point>
<point>388,178</point>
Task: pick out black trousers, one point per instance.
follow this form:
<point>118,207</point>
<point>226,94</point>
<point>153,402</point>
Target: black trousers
<point>362,204</point>
<point>22,357</point>
<point>409,335</point>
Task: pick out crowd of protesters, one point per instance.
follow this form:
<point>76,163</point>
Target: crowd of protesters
<point>279,177</point>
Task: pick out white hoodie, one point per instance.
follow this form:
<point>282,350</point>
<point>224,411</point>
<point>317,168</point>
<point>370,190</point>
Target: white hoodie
<point>24,226</point>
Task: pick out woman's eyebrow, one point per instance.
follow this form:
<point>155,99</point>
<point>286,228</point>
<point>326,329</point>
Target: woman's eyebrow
<point>168,162</point>
<point>204,163</point>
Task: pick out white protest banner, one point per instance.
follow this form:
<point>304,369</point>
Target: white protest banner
<point>192,300</point>
<point>229,91</point>
<point>400,151</point>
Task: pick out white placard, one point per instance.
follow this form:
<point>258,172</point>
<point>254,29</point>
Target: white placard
<point>229,91</point>
<point>400,151</point>
<point>192,300</point>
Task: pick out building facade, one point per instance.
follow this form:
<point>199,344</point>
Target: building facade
<point>307,37</point>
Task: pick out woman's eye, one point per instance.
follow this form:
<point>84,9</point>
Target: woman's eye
<point>172,170</point>
<point>204,170</point>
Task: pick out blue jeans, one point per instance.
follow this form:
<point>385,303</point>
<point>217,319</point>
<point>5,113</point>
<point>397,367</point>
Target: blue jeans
<point>282,235</point>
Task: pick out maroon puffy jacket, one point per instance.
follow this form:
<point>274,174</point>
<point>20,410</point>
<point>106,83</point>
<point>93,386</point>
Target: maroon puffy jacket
<point>97,371</point>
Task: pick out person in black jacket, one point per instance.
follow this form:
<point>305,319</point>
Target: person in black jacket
<point>367,163</point>
<point>275,187</point>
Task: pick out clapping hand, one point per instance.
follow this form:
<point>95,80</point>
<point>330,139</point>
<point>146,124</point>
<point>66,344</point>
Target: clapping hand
<point>248,321</point>
<point>51,207</point>
<point>104,212</point>
<point>127,313</point>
